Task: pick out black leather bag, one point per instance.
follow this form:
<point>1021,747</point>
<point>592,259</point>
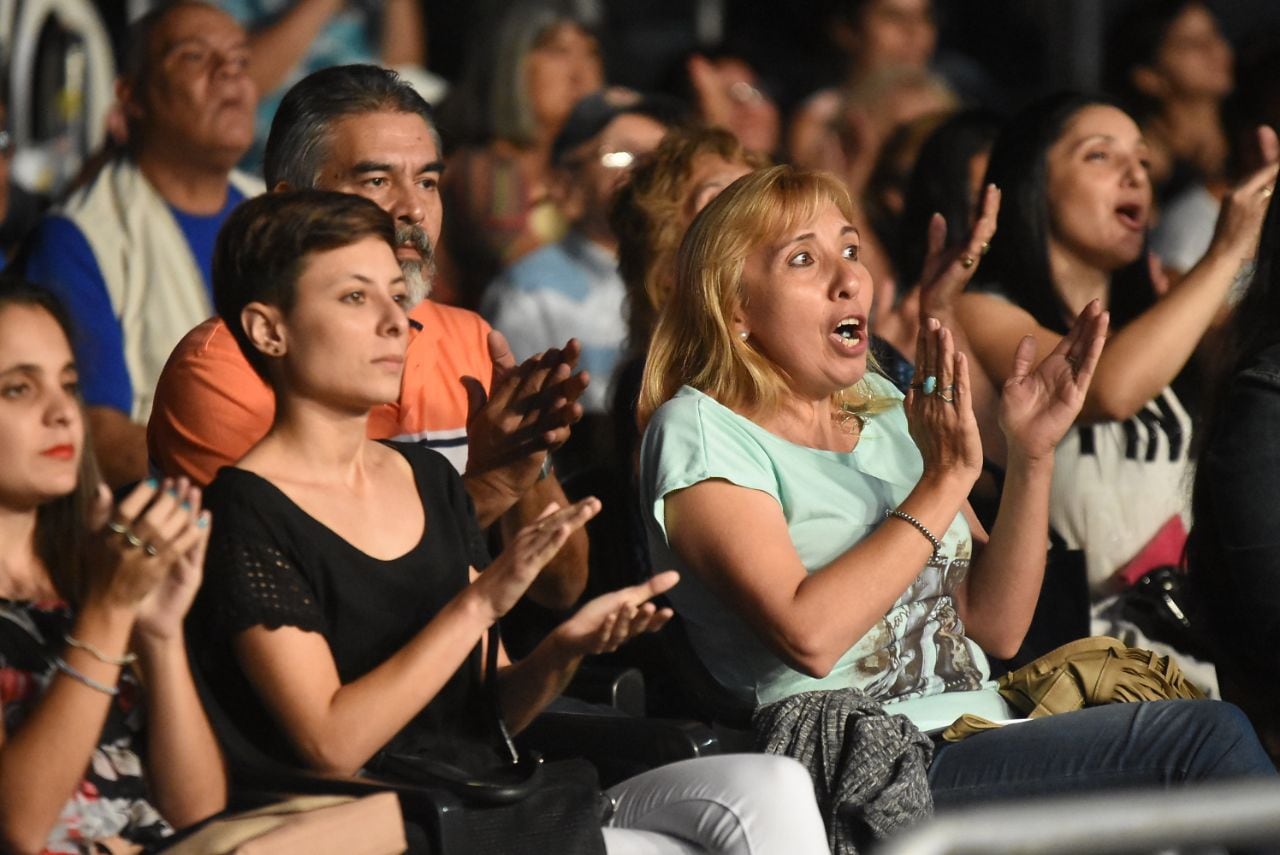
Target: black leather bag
<point>522,806</point>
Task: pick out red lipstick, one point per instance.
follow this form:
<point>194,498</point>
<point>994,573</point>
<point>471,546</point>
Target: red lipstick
<point>65,451</point>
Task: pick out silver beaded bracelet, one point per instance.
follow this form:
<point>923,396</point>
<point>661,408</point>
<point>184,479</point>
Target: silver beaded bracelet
<point>920,527</point>
<point>62,666</point>
<point>127,659</point>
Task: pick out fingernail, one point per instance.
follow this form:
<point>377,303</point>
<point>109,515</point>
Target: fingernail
<point>186,506</point>
<point>151,483</point>
<point>203,522</point>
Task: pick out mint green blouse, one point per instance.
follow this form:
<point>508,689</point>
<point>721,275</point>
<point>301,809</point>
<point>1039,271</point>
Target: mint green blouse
<point>831,500</point>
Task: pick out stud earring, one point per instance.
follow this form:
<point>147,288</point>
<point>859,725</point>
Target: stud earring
<point>744,335</point>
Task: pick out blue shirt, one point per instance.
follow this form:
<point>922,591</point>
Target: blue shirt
<point>60,258</point>
<point>569,289</point>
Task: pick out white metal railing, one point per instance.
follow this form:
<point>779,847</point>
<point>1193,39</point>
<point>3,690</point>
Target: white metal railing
<point>1235,814</point>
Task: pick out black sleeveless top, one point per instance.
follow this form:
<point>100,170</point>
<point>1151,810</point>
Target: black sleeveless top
<point>271,564</point>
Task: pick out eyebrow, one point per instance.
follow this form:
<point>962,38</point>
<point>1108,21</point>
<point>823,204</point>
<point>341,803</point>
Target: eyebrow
<point>379,166</point>
<point>813,236</point>
<point>1107,138</point>
<point>241,44</point>
<point>32,368</point>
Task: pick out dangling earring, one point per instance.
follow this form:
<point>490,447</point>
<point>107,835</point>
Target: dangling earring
<point>744,335</point>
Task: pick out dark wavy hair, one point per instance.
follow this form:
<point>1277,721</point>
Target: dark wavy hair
<point>1018,264</point>
<point>62,524</point>
<point>1253,327</point>
<point>939,183</point>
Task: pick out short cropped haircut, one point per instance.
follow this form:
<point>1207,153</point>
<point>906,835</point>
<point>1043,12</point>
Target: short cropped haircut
<point>297,145</point>
<point>265,243</point>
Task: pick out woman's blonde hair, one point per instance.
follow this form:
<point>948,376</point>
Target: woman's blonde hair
<point>694,343</point>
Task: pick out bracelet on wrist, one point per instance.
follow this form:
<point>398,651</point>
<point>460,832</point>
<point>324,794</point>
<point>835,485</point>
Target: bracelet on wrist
<point>62,666</point>
<point>127,659</point>
<point>919,526</point>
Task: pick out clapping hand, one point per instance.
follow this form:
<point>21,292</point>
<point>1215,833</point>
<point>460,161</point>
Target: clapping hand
<point>946,272</point>
<point>610,620</point>
<point>939,407</point>
<point>146,555</point>
<point>1038,405</point>
<point>530,410</point>
<point>514,570</point>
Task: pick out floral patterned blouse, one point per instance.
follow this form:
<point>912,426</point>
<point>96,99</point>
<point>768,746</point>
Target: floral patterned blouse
<point>111,799</point>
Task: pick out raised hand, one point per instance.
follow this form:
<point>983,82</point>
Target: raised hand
<point>529,410</point>
<point>946,272</point>
<point>1038,406</point>
<point>1243,209</point>
<point>161,613</point>
<point>511,574</point>
<point>939,408</point>
<point>610,620</point>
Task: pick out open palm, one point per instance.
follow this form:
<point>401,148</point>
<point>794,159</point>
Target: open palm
<point>1038,405</point>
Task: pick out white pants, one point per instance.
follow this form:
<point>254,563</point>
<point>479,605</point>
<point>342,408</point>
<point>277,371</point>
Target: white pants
<point>735,804</point>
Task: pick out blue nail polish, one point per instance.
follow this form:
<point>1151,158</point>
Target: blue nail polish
<point>203,522</point>
<point>186,506</point>
<point>152,483</point>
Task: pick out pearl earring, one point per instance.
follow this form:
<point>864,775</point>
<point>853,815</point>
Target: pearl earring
<point>744,335</point>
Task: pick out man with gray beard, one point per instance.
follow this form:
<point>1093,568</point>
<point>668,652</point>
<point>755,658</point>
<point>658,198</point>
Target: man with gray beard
<point>360,129</point>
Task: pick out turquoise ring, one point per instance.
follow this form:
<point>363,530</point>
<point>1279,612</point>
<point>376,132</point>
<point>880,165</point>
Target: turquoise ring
<point>930,385</point>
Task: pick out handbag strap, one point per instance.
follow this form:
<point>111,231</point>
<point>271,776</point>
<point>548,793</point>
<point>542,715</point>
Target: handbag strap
<point>491,689</point>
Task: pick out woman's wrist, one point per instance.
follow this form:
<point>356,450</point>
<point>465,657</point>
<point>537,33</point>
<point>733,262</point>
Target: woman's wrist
<point>106,627</point>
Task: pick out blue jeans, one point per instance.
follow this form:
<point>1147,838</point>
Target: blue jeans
<point>1154,744</point>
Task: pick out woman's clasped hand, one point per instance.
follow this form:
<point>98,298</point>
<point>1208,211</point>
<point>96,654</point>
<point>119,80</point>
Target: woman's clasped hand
<point>147,553</point>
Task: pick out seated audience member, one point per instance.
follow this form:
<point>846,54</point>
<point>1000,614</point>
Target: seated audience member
<point>571,288</point>
<point>289,39</point>
<point>1231,550</point>
<point>129,252</point>
<point>874,35</point>
<point>1172,68</point>
<point>360,129</point>
<point>6,160</point>
<point>103,743</point>
<point>730,95</point>
<point>653,209</point>
<point>829,560</point>
<point>501,120</point>
<point>1073,169</point>
<point>346,615</point>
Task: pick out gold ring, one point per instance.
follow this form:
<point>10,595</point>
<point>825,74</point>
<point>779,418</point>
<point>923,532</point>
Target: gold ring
<point>985,248</point>
<point>1267,191</point>
<point>967,261</point>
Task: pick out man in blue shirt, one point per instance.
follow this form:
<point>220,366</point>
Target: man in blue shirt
<point>130,251</point>
<point>572,288</point>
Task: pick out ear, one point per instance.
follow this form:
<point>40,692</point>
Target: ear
<point>565,192</point>
<point>1148,81</point>
<point>265,328</point>
<point>129,97</point>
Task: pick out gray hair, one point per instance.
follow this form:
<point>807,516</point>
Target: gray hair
<point>297,145</point>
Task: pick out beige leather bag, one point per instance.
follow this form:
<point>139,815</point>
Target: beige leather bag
<point>1084,673</point>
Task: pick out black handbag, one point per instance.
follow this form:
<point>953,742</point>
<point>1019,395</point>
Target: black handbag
<point>524,805</point>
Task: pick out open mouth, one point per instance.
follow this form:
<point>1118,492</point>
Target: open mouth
<point>849,332</point>
<point>1133,217</point>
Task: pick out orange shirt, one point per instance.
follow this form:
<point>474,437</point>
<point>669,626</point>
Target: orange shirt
<point>211,407</point>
